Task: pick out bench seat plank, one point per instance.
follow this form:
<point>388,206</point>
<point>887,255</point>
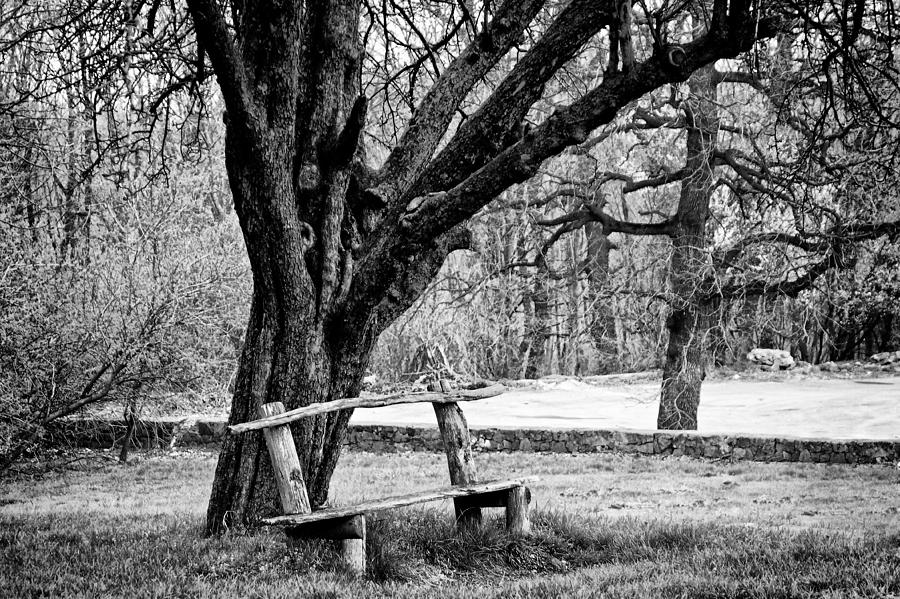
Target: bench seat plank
<point>377,505</point>
<point>367,402</point>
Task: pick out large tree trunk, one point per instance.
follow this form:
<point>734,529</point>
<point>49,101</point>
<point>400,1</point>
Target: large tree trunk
<point>692,309</point>
<point>288,155</point>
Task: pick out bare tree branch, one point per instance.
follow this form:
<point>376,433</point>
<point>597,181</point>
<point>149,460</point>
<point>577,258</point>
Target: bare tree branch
<point>497,123</point>
<point>436,110</point>
<point>213,33</point>
<point>425,217</point>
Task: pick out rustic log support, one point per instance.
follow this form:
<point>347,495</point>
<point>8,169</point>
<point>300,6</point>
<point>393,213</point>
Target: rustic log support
<point>349,531</point>
<point>517,520</point>
<point>339,529</point>
<point>286,463</point>
<point>460,460</point>
<point>353,551</point>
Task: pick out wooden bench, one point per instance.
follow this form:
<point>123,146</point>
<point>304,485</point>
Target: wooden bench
<point>348,523</point>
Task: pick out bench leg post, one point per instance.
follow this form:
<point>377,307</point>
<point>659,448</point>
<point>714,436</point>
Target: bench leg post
<point>353,551</point>
<point>460,459</point>
<point>285,462</point>
<point>517,503</point>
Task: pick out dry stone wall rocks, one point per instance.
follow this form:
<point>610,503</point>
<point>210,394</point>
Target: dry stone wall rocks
<point>172,432</point>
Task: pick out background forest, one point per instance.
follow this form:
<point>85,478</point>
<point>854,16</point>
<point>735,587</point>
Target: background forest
<point>124,277</point>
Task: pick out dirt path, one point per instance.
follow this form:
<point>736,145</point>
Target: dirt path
<point>833,408</point>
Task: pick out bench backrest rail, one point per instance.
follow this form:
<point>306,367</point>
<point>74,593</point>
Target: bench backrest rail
<point>367,402</point>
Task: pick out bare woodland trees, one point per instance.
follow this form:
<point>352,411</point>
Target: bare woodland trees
<point>108,288</point>
<point>776,176</point>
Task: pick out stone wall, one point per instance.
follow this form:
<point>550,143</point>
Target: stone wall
<point>172,432</point>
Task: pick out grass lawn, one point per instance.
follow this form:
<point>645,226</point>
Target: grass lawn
<point>604,525</point>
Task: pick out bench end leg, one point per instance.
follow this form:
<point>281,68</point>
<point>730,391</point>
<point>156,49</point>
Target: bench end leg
<point>517,521</point>
<point>353,551</point>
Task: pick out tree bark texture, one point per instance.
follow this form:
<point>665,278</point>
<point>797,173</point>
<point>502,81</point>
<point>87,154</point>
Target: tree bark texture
<point>339,250</point>
<point>290,80</point>
<point>692,311</point>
